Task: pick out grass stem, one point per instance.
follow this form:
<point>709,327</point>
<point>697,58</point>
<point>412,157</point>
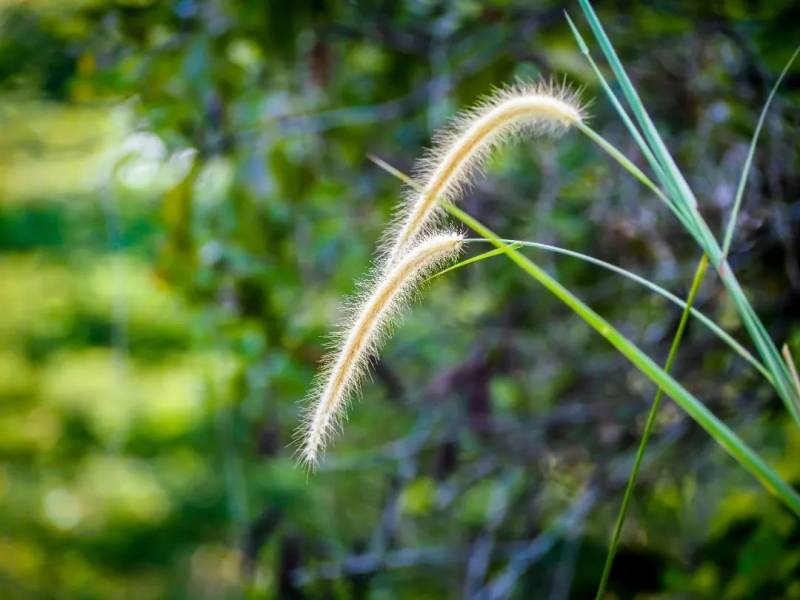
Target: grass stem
<point>700,272</point>
<point>720,432</point>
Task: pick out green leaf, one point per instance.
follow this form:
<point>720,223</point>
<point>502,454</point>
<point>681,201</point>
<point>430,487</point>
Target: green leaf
<point>720,432</point>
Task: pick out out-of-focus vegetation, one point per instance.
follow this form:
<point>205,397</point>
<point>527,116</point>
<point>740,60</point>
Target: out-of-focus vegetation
<point>185,199</point>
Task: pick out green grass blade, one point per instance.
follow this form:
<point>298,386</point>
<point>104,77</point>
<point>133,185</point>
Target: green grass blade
<point>645,122</point>
<point>624,161</point>
<point>700,272</point>
<point>700,230</point>
<point>632,129</point>
<point>643,281</point>
<point>787,355</point>
<point>473,259</point>
<point>726,244</point>
<point>693,407</point>
<point>779,377</point>
<point>723,435</point>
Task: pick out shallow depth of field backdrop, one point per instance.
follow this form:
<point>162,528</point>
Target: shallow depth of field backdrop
<point>186,198</point>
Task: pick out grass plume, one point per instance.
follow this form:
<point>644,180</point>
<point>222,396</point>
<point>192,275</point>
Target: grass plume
<point>460,150</point>
<point>371,319</point>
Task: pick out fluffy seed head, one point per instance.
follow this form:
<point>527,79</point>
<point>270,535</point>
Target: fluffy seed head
<point>460,151</point>
<point>371,319</point>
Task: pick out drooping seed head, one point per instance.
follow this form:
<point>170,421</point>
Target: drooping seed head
<point>461,150</point>
<point>371,320</point>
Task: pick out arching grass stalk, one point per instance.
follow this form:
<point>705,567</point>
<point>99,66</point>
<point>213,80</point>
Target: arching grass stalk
<point>451,169</point>
<point>700,272</point>
<point>723,435</point>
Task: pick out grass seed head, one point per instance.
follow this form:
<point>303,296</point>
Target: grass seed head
<point>459,152</point>
<point>372,317</point>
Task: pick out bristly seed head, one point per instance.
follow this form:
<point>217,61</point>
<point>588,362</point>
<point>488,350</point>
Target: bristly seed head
<point>371,319</point>
<point>460,151</point>
<point>415,248</point>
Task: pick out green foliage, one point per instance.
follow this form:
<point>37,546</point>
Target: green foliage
<point>186,196</point>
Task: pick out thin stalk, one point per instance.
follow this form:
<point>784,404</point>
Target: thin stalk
<point>639,112</point>
<point>726,438</point>
<point>696,225</point>
<point>678,210</point>
<point>787,355</point>
<point>643,281</point>
<point>623,114</point>
<point>700,272</point>
<point>720,432</point>
<point>624,161</point>
<point>473,259</point>
<point>737,203</point>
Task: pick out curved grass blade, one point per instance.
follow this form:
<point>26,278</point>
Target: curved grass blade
<point>643,281</point>
<point>723,435</point>
<point>779,377</point>
<point>473,259</point>
<point>720,432</point>
<point>640,113</point>
<point>737,203</point>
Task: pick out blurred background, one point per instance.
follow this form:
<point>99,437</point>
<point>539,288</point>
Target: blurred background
<point>186,200</point>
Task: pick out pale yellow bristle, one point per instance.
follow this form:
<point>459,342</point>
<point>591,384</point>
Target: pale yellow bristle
<point>461,150</point>
<point>360,339</point>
